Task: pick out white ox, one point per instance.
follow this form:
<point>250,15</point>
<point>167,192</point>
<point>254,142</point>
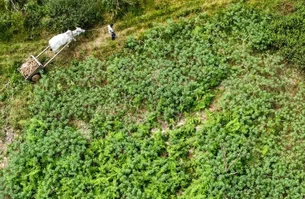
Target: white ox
<point>59,40</point>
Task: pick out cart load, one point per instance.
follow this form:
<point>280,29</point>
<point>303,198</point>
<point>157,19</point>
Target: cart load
<point>30,68</point>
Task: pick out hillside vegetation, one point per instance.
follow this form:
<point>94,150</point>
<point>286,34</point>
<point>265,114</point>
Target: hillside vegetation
<point>207,104</point>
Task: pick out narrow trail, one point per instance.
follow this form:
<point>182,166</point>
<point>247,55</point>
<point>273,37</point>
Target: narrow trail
<point>101,44</point>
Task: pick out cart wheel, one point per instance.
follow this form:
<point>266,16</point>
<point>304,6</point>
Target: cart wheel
<point>36,77</point>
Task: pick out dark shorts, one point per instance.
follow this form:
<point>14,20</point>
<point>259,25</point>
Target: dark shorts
<point>113,36</point>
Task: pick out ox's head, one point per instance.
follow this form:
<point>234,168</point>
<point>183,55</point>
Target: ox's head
<point>78,31</point>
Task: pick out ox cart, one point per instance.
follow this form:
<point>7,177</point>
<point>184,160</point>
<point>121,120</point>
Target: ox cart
<point>31,69</point>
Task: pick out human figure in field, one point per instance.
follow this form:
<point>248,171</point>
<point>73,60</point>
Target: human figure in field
<point>111,32</point>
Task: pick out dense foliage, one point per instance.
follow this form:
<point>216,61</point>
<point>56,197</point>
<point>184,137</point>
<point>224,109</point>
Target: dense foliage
<point>117,6</point>
<point>29,17</point>
<point>63,14</point>
<point>288,34</point>
<point>136,125</point>
<point>243,151</point>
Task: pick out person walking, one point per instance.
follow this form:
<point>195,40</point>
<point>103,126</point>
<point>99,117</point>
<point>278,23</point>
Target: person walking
<point>111,32</point>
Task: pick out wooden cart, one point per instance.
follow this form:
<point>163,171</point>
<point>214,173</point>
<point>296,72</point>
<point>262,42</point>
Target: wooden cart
<point>31,69</point>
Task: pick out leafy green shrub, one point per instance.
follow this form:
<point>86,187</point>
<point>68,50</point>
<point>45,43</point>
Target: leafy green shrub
<point>288,35</point>
<point>244,151</point>
<point>117,7</point>
<point>244,24</point>
<point>65,14</point>
<point>33,13</point>
<point>10,25</point>
<point>61,150</point>
<point>27,21</point>
<point>5,34</point>
<point>2,5</point>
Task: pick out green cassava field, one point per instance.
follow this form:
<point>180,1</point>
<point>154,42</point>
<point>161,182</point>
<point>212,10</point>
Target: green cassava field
<point>195,99</point>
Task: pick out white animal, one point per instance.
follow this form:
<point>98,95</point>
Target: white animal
<point>77,31</point>
<point>59,40</point>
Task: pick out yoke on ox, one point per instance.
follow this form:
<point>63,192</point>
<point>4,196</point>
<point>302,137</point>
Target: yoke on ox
<point>31,68</point>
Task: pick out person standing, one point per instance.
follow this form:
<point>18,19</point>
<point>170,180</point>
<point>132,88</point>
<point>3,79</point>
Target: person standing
<point>111,32</point>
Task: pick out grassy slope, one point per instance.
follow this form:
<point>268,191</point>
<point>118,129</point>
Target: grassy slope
<point>13,109</point>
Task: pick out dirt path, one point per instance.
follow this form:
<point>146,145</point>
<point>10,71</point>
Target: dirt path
<point>7,139</point>
<point>102,43</point>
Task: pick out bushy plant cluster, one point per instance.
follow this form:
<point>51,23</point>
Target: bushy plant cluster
<point>288,35</point>
<point>251,29</point>
<point>29,17</point>
<point>33,16</point>
<point>246,150</point>
<point>63,14</point>
<point>10,24</point>
<point>87,140</point>
<point>116,7</point>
